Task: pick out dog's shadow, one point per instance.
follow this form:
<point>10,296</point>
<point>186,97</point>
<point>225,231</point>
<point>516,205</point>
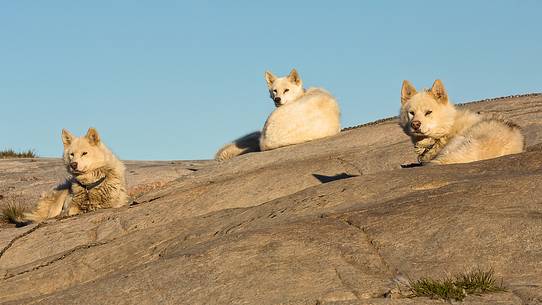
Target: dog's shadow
<point>411,165</point>
<point>327,179</point>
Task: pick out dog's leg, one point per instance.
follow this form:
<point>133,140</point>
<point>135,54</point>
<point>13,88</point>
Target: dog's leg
<point>66,206</point>
<point>49,206</point>
<point>73,210</point>
<point>432,151</point>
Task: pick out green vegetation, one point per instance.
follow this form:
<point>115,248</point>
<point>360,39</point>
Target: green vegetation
<point>458,287</point>
<point>10,153</point>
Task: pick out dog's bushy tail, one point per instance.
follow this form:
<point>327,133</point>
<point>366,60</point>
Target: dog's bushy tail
<point>49,206</point>
<point>246,144</point>
<point>14,213</point>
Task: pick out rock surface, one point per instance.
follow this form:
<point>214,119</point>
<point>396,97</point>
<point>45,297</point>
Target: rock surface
<point>333,221</point>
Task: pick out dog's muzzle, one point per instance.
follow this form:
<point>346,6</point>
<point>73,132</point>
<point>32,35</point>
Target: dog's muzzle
<point>416,125</point>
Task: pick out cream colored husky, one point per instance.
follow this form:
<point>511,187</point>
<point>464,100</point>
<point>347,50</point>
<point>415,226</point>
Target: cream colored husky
<point>443,134</point>
<point>300,116</point>
<point>96,180</point>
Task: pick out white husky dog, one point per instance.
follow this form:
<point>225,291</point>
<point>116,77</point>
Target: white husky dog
<point>300,116</point>
<point>443,134</point>
<point>96,181</point>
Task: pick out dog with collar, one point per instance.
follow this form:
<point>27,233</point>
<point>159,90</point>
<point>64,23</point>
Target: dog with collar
<point>96,180</point>
<point>443,134</point>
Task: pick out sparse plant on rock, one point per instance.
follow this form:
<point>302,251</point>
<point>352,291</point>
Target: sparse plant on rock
<point>10,153</point>
<point>458,287</point>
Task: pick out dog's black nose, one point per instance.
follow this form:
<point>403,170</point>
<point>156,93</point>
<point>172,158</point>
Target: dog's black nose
<point>277,99</point>
<point>73,165</point>
<point>416,124</point>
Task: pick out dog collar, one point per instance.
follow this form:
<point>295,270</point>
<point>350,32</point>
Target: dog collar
<point>92,185</point>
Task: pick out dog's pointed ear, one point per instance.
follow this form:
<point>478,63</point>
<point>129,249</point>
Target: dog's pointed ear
<point>67,137</point>
<point>407,91</point>
<point>294,77</point>
<point>269,78</point>
<point>439,92</point>
<point>92,136</point>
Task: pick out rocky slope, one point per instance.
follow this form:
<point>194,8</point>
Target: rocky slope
<point>333,221</point>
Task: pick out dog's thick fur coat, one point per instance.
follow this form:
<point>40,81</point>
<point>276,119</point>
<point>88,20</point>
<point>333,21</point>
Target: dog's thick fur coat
<point>314,115</point>
<point>443,134</point>
<point>300,116</point>
<point>96,180</point>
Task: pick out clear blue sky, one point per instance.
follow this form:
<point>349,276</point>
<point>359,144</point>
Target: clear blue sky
<point>177,79</point>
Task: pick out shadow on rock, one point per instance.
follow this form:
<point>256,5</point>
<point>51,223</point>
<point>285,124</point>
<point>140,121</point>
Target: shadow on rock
<point>326,179</point>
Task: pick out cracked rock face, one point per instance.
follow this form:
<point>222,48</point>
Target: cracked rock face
<point>333,221</point>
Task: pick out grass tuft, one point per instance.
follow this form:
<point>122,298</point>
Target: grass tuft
<point>458,287</point>
<point>13,213</point>
<point>10,153</point>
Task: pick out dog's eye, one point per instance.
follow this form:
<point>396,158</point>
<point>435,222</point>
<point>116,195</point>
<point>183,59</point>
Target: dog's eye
<point>71,155</point>
<point>411,113</point>
<point>274,90</point>
<point>286,90</point>
<point>428,112</point>
<point>84,153</point>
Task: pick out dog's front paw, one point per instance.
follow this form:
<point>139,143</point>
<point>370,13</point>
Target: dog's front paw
<point>421,147</point>
<point>419,150</point>
<point>425,143</point>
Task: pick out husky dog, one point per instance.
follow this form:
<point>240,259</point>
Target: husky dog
<point>443,134</point>
<point>96,180</point>
<point>300,116</point>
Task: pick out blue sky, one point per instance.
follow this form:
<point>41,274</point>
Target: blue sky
<point>177,79</point>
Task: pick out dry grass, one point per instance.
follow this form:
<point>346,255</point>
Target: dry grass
<point>458,287</point>
<point>10,153</point>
